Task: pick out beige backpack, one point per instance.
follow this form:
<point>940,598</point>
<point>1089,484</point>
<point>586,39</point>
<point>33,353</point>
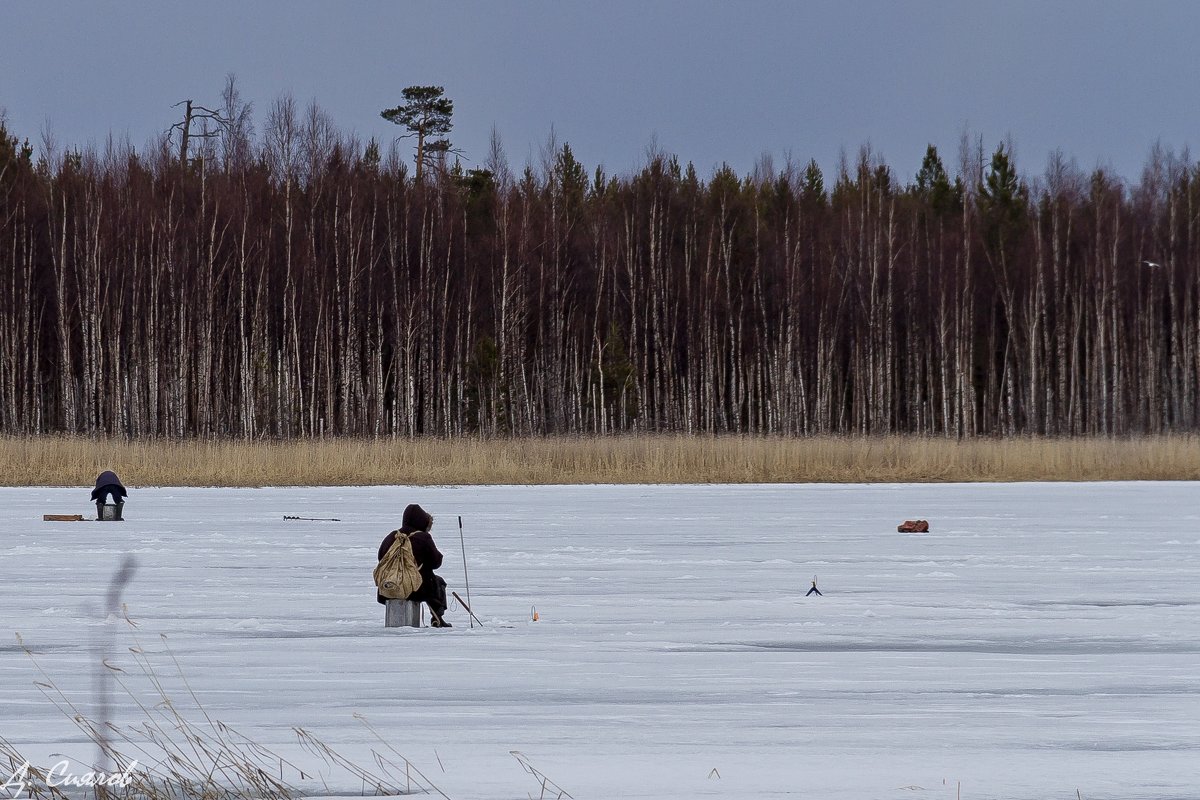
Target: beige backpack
<point>398,575</point>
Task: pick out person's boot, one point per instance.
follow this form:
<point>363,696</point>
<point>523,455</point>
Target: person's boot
<point>117,517</point>
<point>99,512</point>
<point>436,620</point>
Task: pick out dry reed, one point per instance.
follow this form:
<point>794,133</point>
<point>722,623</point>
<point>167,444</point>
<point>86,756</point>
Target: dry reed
<point>68,461</point>
<point>178,751</point>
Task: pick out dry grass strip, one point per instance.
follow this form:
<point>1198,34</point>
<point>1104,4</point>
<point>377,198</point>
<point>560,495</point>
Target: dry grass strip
<point>75,461</point>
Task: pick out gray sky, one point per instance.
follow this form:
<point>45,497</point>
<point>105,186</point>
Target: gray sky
<point>710,82</point>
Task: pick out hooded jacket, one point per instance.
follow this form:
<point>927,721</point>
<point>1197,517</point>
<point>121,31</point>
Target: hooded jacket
<point>109,480</point>
<point>416,521</point>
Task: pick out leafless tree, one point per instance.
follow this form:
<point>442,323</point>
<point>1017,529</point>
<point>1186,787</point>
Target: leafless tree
<point>210,123</point>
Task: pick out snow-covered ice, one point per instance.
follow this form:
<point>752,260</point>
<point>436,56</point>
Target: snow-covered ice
<point>1042,638</point>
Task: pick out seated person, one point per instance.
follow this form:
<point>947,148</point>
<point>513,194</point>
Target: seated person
<point>417,522</point>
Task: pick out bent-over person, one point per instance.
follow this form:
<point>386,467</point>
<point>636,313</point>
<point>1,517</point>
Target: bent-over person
<point>108,485</point>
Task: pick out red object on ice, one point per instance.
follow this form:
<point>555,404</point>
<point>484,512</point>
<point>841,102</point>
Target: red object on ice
<point>914,526</point>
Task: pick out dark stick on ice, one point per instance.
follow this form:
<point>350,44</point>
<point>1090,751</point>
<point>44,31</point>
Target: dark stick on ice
<point>314,519</point>
<point>468,608</point>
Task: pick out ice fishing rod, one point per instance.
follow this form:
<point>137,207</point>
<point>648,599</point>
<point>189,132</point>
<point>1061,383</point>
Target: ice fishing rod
<point>314,519</point>
<point>466,580</point>
<point>468,608</point>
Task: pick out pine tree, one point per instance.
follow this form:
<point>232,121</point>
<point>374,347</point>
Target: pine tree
<point>934,187</point>
<point>426,113</point>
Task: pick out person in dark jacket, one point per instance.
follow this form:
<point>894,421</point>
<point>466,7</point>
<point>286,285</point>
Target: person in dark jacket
<point>108,485</point>
<point>417,522</point>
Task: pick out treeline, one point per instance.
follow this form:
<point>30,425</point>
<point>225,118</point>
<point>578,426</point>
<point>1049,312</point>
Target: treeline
<point>300,283</point>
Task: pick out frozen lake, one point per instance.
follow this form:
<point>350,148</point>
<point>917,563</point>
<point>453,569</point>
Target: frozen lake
<point>1042,638</point>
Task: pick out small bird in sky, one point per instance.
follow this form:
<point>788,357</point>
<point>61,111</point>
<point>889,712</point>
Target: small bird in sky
<point>1152,264</point>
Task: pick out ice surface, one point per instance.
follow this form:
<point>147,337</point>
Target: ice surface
<point>1041,638</point>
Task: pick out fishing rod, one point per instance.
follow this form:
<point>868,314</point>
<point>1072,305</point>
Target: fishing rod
<point>466,580</point>
<point>468,608</point>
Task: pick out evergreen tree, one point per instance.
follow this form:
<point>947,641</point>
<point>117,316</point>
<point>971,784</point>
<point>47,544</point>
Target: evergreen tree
<point>13,156</point>
<point>371,156</point>
<point>1002,205</point>
<point>618,374</point>
<point>571,178</point>
<point>426,113</point>
<point>813,185</point>
<point>934,186</point>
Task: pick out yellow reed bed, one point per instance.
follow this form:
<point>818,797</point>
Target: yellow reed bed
<point>73,461</point>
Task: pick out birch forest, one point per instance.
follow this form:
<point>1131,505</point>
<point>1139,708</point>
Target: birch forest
<point>279,278</point>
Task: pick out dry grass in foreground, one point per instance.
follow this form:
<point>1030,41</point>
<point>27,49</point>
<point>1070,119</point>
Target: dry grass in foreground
<point>61,461</point>
<point>177,751</point>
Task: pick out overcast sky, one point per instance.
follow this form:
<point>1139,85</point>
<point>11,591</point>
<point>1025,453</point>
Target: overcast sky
<point>710,82</point>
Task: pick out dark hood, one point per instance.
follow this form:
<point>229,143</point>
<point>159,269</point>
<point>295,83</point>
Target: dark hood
<point>108,478</point>
<point>416,519</point>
